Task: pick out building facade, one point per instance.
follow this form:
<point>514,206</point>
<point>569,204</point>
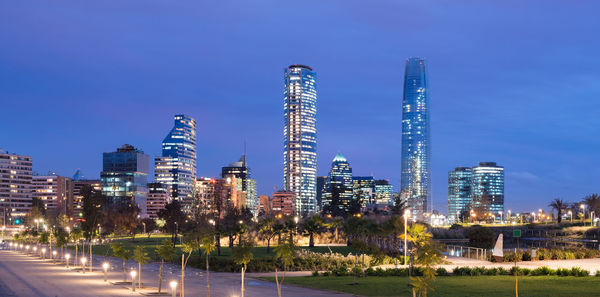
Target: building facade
<point>383,192</point>
<point>124,177</point>
<point>459,193</point>
<point>284,202</point>
<point>264,205</point>
<point>415,180</point>
<point>487,187</point>
<point>176,169</point>
<point>240,171</point>
<point>54,193</point>
<point>300,136</point>
<point>158,197</point>
<point>16,173</point>
<point>78,185</point>
<point>338,184</point>
<point>363,189</point>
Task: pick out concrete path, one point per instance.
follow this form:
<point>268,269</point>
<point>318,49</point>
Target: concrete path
<point>22,275</point>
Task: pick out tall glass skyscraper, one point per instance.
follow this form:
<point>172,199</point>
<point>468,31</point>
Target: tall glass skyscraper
<point>300,136</point>
<point>338,183</point>
<point>176,169</point>
<point>415,180</point>
<point>487,187</point>
<point>459,192</point>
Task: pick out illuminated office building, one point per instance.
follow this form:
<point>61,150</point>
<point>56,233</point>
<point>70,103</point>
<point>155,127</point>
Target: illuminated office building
<point>338,184</point>
<point>53,192</point>
<point>241,171</point>
<point>487,187</point>
<point>459,192</point>
<point>15,186</point>
<point>300,137</point>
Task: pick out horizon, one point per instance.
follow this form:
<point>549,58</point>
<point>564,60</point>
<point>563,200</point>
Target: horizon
<point>506,86</point>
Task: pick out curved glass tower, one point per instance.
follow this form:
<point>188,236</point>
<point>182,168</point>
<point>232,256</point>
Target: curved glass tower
<point>176,169</point>
<point>415,180</point>
<point>300,136</point>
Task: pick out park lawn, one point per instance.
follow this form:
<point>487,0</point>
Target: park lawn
<point>446,286</point>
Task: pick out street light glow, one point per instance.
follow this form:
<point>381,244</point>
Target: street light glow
<point>173,284</point>
<point>105,266</point>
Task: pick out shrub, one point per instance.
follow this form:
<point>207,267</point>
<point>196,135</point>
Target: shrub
<point>461,271</point>
<point>315,273</point>
<point>576,271</point>
<point>491,271</point>
<point>543,271</point>
<point>597,273</point>
<point>501,271</point>
<point>441,271</point>
<point>562,272</point>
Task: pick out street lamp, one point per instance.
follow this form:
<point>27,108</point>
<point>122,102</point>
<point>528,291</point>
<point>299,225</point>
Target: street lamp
<point>571,215</point>
<point>133,273</point>
<point>406,214</point>
<point>43,253</point>
<point>53,257</point>
<point>105,266</point>
<point>83,260</point>
<point>173,285</point>
<point>582,206</point>
<point>67,256</point>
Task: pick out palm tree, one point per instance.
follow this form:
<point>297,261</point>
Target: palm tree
<point>285,252</point>
<point>593,202</point>
<point>266,228</point>
<point>336,223</point>
<point>76,235</point>
<point>559,205</point>
<point>208,245</point>
<point>140,256</point>
<point>418,236</point>
<point>121,252</point>
<point>313,225</point>
<point>188,247</point>
<point>242,255</point>
<point>165,251</point>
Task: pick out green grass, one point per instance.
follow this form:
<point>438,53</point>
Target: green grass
<point>488,286</point>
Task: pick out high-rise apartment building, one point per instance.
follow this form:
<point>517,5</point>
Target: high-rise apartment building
<point>53,192</point>
<point>241,171</point>
<point>415,180</point>
<point>15,186</point>
<point>176,169</point>
<point>124,177</point>
<point>459,192</point>
<point>158,197</point>
<point>487,187</point>
<point>78,185</point>
<point>338,184</point>
<point>284,202</point>
<point>300,136</point>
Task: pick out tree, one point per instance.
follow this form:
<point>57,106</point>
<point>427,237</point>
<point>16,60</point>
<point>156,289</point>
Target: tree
<point>593,202</point>
<point>120,251</point>
<point>208,246</point>
<point>336,223</point>
<point>61,240</point>
<point>425,253</point>
<point>285,253</point>
<point>190,244</point>
<point>242,255</point>
<point>311,226</point>
<point>165,251</point>
<point>399,206</point>
<point>481,237</point>
<point>150,225</point>
<point>266,229</point>
<point>559,205</point>
<point>174,217</point>
<point>76,235</point>
<point>140,256</point>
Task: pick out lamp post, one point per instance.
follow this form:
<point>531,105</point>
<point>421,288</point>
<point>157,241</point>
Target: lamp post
<point>83,260</point>
<point>43,253</point>
<point>582,206</point>
<point>54,257</point>
<point>406,214</point>
<point>34,250</point>
<point>105,266</point>
<point>133,273</point>
<point>67,256</point>
<point>571,215</point>
<point>173,285</point>
<point>501,218</point>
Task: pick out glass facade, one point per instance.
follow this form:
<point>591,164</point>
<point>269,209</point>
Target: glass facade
<point>339,182</point>
<point>415,180</point>
<point>363,188</point>
<point>241,171</point>
<point>176,169</point>
<point>124,176</point>
<point>300,136</point>
<point>459,192</point>
<point>383,192</point>
<point>487,187</point>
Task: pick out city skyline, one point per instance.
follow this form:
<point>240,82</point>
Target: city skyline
<point>499,88</point>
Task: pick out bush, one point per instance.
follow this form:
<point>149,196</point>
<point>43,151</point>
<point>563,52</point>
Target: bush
<point>441,271</point>
<point>597,273</point>
<point>576,271</point>
<point>543,271</point>
<point>315,273</point>
<point>481,237</point>
<point>461,271</point>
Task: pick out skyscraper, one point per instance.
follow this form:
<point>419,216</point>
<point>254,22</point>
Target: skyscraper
<point>487,187</point>
<point>300,136</point>
<point>241,171</point>
<point>459,192</point>
<point>124,176</point>
<point>415,183</point>
<point>338,184</point>
<point>176,169</point>
<point>53,192</point>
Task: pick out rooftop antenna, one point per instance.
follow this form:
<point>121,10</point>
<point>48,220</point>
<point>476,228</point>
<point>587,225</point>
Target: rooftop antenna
<point>244,152</point>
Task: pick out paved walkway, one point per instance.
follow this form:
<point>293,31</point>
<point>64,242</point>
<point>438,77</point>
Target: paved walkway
<point>22,275</point>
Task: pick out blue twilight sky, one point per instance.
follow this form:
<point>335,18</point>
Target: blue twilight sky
<point>516,82</point>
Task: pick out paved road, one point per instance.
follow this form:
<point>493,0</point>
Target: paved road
<point>22,275</point>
